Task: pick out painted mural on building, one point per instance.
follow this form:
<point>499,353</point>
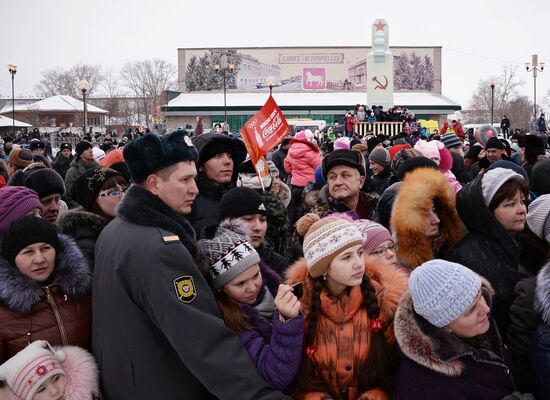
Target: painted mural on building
<point>303,69</point>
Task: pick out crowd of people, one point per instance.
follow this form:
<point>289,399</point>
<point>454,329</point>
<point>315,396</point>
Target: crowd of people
<point>406,267</point>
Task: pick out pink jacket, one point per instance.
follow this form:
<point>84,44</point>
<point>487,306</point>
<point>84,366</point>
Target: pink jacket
<point>302,160</point>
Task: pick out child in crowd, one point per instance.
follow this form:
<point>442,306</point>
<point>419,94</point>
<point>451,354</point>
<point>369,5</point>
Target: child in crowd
<point>349,307</point>
<point>262,311</point>
<point>39,372</point>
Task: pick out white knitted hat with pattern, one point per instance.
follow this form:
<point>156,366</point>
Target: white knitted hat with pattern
<point>325,239</point>
<point>30,368</point>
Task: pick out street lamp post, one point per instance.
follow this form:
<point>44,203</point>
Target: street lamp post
<point>535,67</point>
<point>492,83</point>
<point>224,68</point>
<point>84,87</point>
<point>270,84</point>
<point>13,70</point>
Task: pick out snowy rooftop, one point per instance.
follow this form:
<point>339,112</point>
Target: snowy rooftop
<point>55,104</point>
<point>5,121</point>
<point>346,99</point>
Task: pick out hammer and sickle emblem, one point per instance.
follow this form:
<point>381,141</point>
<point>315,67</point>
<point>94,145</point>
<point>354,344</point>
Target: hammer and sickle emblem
<point>380,85</point>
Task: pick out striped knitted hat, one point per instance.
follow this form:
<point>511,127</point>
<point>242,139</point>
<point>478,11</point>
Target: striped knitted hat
<point>325,239</point>
<point>537,217</point>
<point>30,368</point>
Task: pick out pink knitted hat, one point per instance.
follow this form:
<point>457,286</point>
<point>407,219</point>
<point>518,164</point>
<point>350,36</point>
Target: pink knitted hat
<point>15,202</point>
<point>374,234</point>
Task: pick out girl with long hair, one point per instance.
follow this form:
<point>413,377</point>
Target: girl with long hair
<point>348,306</point>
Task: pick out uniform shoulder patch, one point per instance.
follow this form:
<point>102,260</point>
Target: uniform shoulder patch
<point>185,289</point>
<point>171,238</point>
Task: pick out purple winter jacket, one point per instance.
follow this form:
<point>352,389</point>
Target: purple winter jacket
<point>438,365</point>
<point>275,350</point>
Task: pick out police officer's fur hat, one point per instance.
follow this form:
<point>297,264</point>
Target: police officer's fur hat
<point>151,153</point>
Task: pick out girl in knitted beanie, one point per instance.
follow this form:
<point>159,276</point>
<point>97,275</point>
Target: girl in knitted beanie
<point>349,307</point>
<point>254,304</point>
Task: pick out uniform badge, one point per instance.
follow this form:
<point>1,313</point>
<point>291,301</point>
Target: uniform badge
<point>185,289</point>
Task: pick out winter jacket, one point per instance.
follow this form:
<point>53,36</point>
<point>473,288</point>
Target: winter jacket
<point>381,180</point>
<point>84,227</point>
<point>533,254</point>
<point>275,347</point>
<point>302,160</point>
<point>59,312</point>
<point>157,328</point>
<point>438,365</point>
<point>343,336</point>
<point>540,349</point>
<point>410,210</point>
<point>458,169</point>
<point>488,250</point>
<point>77,168</point>
<point>205,208</point>
<point>62,164</point>
<point>278,159</point>
<point>80,369</point>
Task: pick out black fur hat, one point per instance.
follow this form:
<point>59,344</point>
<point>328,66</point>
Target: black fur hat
<point>151,153</point>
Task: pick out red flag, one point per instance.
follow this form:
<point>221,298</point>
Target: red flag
<point>265,130</point>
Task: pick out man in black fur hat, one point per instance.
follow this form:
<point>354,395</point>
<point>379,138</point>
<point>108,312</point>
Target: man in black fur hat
<point>157,330</point>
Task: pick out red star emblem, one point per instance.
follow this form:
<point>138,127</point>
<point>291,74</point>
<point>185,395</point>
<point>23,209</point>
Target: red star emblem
<point>380,26</point>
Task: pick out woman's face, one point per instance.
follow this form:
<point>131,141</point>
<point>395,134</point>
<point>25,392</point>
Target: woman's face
<point>346,269</point>
<point>432,221</point>
<point>511,213</point>
<point>245,287</point>
<point>109,199</point>
<point>474,321</point>
<point>37,261</point>
<point>384,253</point>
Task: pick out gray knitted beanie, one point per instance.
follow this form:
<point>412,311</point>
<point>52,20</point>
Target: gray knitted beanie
<point>380,156</point>
<point>441,291</point>
<point>493,179</point>
<point>537,217</point>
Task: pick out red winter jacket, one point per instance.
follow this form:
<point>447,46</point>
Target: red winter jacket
<point>302,160</point>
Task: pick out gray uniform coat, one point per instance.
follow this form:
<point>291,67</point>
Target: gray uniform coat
<point>157,331</point>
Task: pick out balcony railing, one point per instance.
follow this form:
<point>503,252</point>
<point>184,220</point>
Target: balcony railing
<point>386,128</point>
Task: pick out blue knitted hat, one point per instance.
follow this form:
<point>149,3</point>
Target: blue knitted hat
<point>442,291</point>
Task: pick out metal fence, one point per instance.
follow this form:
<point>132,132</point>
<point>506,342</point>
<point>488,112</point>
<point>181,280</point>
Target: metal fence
<point>386,128</point>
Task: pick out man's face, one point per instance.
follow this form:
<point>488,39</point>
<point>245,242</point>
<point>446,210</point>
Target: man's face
<point>88,156</point>
<point>38,151</point>
<point>494,154</point>
<point>66,153</point>
<point>344,182</point>
<point>179,189</point>
<point>50,207</point>
<point>8,145</point>
<point>219,168</point>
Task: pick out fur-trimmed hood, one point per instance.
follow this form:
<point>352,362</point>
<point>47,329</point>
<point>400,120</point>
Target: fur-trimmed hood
<point>432,347</point>
<point>80,369</point>
<point>74,220</point>
<point>410,212</point>
<point>542,294</point>
<point>390,284</point>
<point>72,272</point>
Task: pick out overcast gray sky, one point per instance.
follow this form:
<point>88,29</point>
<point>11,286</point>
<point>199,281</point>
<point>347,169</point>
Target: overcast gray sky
<point>478,37</point>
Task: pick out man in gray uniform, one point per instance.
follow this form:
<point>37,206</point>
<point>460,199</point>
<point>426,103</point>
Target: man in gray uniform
<point>157,331</point>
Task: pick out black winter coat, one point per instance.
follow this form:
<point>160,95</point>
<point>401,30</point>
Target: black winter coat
<point>61,165</point>
<point>533,253</point>
<point>487,249</point>
<point>540,350</point>
<point>157,330</point>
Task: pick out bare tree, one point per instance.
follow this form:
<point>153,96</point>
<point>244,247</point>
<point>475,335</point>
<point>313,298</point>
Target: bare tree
<point>507,99</point>
<point>60,81</point>
<point>147,79</point>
